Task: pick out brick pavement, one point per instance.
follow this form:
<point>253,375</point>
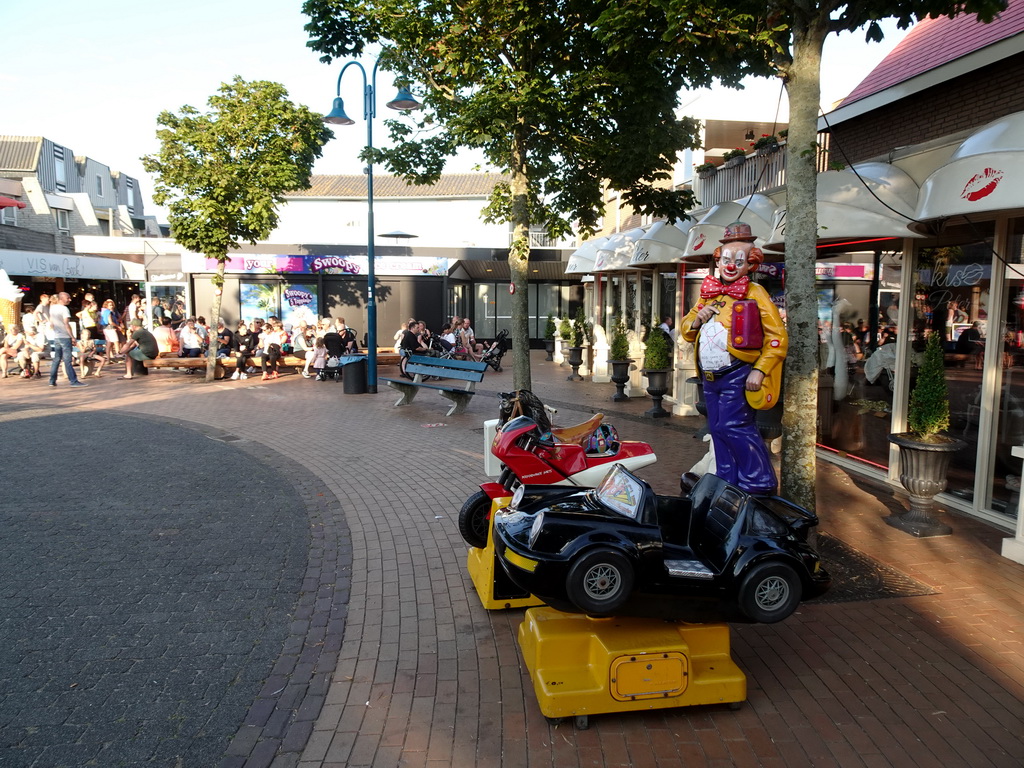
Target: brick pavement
<point>425,676</point>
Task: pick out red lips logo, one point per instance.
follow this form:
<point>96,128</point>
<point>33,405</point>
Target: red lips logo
<point>982,184</point>
<point>699,243</point>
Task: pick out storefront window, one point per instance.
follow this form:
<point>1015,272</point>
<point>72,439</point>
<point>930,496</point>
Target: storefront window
<point>1010,427</point>
<point>858,309</point>
<point>952,299</point>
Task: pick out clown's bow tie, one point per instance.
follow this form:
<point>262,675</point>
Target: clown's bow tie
<point>712,287</point>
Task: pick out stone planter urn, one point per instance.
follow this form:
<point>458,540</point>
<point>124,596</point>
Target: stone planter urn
<point>657,386</point>
<point>549,348</point>
<point>565,351</point>
<point>575,361</point>
<point>620,375</point>
<point>923,469</point>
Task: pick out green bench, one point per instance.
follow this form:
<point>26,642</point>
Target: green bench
<point>421,367</point>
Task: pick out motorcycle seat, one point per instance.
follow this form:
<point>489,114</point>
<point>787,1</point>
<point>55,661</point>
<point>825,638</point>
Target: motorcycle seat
<point>579,434</point>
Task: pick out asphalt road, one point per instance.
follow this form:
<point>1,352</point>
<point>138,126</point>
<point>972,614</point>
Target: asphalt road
<point>147,579</point>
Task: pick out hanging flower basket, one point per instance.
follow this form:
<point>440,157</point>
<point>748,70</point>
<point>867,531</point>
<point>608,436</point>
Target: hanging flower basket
<point>706,170</point>
<point>766,145</point>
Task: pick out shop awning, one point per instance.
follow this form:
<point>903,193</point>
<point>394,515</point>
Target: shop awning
<point>857,209</point>
<point>663,243</point>
<point>981,176</point>
<point>10,202</point>
<point>581,262</point>
<point>704,236</point>
<point>616,253</point>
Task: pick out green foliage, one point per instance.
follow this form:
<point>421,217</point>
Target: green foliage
<point>536,89</point>
<point>222,174</point>
<point>658,355</point>
<point>550,328</point>
<point>581,329</point>
<point>619,349</point>
<point>766,140</point>
<point>928,413</point>
<point>705,167</point>
<point>565,329</point>
<point>733,153</point>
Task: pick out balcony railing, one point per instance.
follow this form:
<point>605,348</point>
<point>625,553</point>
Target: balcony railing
<point>757,174</point>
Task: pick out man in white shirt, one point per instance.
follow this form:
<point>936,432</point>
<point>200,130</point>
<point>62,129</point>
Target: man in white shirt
<point>60,324</point>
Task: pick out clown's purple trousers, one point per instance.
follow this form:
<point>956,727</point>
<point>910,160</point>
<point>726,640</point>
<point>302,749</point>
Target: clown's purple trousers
<point>741,457</point>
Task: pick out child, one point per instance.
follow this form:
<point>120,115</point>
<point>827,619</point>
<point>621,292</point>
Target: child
<point>319,358</point>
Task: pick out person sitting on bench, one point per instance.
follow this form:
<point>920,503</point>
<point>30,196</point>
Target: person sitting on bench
<point>409,345</point>
<point>141,346</point>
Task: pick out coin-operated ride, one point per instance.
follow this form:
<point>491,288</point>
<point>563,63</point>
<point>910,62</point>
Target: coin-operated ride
<point>718,553</point>
<point>533,451</point>
<point>640,585</point>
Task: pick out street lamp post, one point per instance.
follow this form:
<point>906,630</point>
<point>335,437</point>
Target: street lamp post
<point>403,102</point>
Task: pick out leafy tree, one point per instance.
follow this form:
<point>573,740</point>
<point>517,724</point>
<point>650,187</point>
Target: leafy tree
<point>788,35</point>
<point>222,174</point>
<point>534,88</point>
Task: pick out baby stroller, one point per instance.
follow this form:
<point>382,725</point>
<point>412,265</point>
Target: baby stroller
<point>493,354</point>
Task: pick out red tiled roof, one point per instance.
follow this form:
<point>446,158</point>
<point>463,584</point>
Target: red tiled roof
<point>449,185</point>
<point>934,42</point>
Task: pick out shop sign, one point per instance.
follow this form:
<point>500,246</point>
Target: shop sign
<point>260,264</point>
<point>68,266</point>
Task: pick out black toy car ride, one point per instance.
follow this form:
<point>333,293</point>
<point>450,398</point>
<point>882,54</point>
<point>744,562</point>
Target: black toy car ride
<point>717,554</point>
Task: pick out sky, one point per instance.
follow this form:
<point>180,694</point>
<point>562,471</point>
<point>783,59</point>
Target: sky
<point>94,77</point>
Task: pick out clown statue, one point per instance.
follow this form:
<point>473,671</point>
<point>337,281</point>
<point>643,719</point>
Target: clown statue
<point>741,343</point>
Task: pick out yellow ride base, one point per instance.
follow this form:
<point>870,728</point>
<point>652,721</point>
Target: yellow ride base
<point>584,666</point>
<point>493,586</point>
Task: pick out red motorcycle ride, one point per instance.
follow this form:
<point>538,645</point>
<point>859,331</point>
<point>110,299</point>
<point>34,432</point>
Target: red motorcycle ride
<point>533,452</point>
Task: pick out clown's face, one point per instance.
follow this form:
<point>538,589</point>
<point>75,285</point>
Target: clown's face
<point>734,261</point>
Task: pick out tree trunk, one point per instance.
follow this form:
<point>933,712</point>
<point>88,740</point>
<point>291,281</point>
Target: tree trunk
<point>801,396</point>
<point>218,291</point>
<point>519,263</point>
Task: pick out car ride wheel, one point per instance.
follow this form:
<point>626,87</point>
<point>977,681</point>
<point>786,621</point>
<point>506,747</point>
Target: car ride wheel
<point>600,582</point>
<point>475,519</point>
<point>770,592</point>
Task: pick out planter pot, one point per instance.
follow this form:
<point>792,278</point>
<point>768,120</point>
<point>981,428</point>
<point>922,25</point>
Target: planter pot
<point>657,386</point>
<point>767,149</point>
<point>549,348</point>
<point>735,162</point>
<point>575,361</point>
<point>565,351</point>
<point>923,469</point>
<point>707,174</point>
<point>620,375</point>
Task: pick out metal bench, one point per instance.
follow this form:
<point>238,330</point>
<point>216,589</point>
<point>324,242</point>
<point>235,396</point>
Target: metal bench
<point>420,367</point>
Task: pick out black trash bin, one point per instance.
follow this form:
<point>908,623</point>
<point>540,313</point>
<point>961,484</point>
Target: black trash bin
<point>353,376</point>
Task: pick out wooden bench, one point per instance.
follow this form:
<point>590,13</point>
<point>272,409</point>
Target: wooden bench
<point>420,366</point>
<point>186,362</point>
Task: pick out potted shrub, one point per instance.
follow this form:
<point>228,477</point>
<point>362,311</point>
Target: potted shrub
<point>706,170</point>
<point>619,359</point>
<point>925,452</point>
<point>549,337</point>
<point>565,336</point>
<point>734,157</point>
<point>657,369</point>
<point>766,145</point>
<point>580,332</point>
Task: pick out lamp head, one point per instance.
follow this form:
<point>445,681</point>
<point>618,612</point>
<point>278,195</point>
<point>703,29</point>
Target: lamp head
<point>337,114</point>
<point>404,100</point>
